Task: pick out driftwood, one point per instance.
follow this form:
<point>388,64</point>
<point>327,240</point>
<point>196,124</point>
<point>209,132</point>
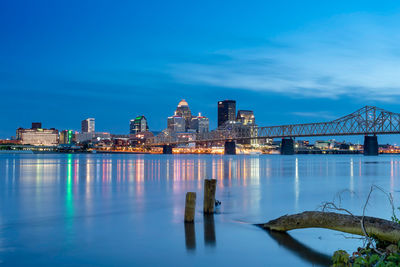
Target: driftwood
<point>381,229</point>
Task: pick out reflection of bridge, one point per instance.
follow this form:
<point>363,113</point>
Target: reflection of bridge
<point>368,121</point>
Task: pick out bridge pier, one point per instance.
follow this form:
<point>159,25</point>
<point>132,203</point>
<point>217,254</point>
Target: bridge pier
<point>230,148</point>
<point>167,149</point>
<point>287,146</point>
<point>371,145</point>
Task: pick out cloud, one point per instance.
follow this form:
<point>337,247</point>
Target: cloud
<point>356,55</point>
<point>321,115</point>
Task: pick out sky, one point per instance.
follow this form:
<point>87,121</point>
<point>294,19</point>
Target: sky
<point>288,61</point>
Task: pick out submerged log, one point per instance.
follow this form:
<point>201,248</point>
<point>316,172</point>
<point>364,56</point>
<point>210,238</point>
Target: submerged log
<point>381,229</point>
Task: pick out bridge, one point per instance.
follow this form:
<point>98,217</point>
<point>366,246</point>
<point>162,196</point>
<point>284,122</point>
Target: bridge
<point>369,121</point>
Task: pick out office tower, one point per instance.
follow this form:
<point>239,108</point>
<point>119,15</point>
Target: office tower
<point>176,124</point>
<point>88,126</point>
<point>139,124</point>
<point>246,117</point>
<point>183,111</point>
<point>226,111</point>
<point>200,124</point>
<point>67,137</point>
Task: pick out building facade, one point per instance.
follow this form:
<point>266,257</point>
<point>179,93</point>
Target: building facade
<point>176,124</point>
<point>247,121</point>
<point>226,111</point>
<point>200,124</point>
<point>89,137</point>
<point>139,124</point>
<point>183,111</point>
<point>38,136</point>
<point>67,137</point>
<point>88,125</point>
<point>246,117</point>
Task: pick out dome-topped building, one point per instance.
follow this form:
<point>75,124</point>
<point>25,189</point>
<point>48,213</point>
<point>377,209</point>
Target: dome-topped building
<point>183,110</point>
<point>183,103</point>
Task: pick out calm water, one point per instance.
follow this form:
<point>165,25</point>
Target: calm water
<point>127,210</point>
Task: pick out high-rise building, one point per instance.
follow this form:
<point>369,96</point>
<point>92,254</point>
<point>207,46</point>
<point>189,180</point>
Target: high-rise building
<point>183,111</point>
<point>176,124</point>
<point>200,124</point>
<point>246,117</point>
<point>67,137</point>
<point>139,124</point>
<point>226,111</point>
<point>88,126</point>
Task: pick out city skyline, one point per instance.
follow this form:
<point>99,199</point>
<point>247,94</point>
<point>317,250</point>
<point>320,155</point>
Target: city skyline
<point>238,115</point>
<point>71,71</point>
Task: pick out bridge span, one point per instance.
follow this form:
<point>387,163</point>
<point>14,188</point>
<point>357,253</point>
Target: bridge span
<point>369,121</point>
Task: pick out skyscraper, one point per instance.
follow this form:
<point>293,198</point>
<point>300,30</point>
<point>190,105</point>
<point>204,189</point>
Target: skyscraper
<point>176,124</point>
<point>88,126</point>
<point>246,117</point>
<point>183,111</point>
<point>226,111</point>
<point>67,137</point>
<point>200,124</point>
<point>247,120</point>
<point>139,124</point>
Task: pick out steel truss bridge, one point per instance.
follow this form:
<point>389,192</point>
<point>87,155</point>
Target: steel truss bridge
<point>368,120</point>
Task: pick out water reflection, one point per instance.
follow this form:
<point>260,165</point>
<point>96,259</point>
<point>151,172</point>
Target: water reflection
<point>105,170</point>
<point>69,200</point>
<point>209,230</point>
<point>296,184</point>
<point>306,253</point>
<point>190,236</point>
<point>394,174</point>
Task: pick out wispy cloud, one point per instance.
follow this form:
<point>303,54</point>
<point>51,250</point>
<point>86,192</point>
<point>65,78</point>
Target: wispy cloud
<point>320,115</point>
<point>356,55</point>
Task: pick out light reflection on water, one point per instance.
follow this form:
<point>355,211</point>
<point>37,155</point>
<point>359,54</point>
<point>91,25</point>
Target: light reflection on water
<point>120,207</point>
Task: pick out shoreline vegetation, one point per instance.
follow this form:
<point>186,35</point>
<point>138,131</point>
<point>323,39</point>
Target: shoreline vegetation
<point>381,237</point>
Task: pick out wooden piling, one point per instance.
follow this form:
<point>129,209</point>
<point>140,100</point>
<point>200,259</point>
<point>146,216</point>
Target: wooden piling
<point>190,206</point>
<point>209,195</point>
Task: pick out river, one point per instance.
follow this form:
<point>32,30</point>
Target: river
<point>127,210</point>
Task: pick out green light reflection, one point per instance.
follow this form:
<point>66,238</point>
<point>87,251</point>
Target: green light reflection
<point>69,194</point>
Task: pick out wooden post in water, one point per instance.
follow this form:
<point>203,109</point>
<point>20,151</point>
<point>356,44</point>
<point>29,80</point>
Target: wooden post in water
<point>190,206</point>
<point>209,195</point>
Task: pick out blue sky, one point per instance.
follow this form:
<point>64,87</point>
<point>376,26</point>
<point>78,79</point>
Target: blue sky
<point>289,61</point>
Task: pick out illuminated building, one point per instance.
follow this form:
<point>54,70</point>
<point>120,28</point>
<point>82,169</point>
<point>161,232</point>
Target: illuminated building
<point>246,117</point>
<point>140,138</point>
<point>10,142</point>
<point>67,137</point>
<point>226,111</point>
<point>324,144</point>
<point>38,136</point>
<point>89,137</point>
<point>183,111</point>
<point>200,124</point>
<point>186,136</point>
<point>88,125</point>
<point>176,124</point>
<point>139,124</point>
